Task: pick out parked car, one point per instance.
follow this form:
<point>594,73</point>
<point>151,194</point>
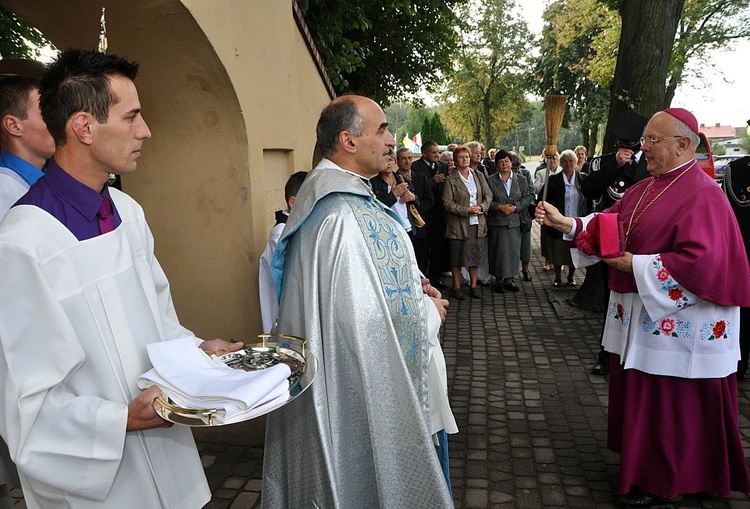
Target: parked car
<point>705,156</point>
<point>721,161</point>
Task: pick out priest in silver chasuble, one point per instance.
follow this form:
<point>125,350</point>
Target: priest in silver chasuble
<point>349,284</point>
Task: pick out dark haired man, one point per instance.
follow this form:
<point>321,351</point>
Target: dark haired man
<point>26,146</point>
<point>423,192</point>
<point>436,172</point>
<point>24,138</point>
<point>82,296</point>
<point>349,284</point>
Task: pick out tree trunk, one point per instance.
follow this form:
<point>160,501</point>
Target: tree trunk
<point>646,41</point>
<point>591,147</point>
<point>586,132</point>
<point>487,120</point>
<point>675,79</point>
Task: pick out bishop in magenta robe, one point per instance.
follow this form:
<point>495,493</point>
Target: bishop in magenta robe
<point>672,324</point>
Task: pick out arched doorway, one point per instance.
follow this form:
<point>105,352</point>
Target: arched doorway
<point>231,96</point>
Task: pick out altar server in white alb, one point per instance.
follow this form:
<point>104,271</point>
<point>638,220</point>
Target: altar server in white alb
<point>26,146</point>
<point>269,303</point>
<point>26,143</point>
<point>82,296</point>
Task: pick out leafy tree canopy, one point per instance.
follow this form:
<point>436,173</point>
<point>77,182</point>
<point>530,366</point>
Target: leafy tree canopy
<point>579,51</point>
<point>485,94</point>
<point>384,49</point>
<point>18,39</point>
<point>578,41</point>
<point>705,25</point>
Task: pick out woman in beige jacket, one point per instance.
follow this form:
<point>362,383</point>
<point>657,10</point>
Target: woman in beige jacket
<point>466,197</point>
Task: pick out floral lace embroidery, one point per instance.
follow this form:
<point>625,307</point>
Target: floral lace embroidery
<point>617,312</point>
<point>669,285</point>
<point>716,330</point>
<point>668,327</point>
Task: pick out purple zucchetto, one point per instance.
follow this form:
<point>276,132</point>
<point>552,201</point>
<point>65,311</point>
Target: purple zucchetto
<point>684,116</point>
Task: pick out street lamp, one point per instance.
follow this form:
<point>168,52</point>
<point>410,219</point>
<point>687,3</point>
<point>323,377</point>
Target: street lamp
<point>518,131</point>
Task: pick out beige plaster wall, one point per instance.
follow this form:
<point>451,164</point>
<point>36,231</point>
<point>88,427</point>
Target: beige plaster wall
<point>232,96</point>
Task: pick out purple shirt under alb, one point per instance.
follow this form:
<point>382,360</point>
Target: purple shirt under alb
<point>72,203</point>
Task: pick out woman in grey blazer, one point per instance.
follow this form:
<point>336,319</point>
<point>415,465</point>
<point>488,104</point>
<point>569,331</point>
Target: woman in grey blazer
<point>525,235</point>
<point>510,196</point>
<point>466,198</point>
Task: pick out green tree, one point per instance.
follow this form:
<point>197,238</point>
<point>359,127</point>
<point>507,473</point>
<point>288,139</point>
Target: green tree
<point>384,49</point>
<point>646,42</point>
<point>578,39</point>
<point>705,25</point>
<point>426,129</point>
<point>581,41</point>
<point>745,142</point>
<point>397,113</point>
<point>528,132</point>
<point>438,130</point>
<point>415,119</point>
<point>18,39</point>
<point>485,94</point>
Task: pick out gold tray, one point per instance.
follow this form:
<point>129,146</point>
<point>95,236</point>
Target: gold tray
<point>273,349</point>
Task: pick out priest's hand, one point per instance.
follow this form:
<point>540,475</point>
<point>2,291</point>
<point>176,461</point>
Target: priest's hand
<point>622,263</point>
<point>220,346</point>
<point>549,215</point>
<point>430,290</point>
<point>141,412</point>
<point>442,307</point>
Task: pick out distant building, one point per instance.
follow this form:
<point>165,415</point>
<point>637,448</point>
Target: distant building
<point>724,135</point>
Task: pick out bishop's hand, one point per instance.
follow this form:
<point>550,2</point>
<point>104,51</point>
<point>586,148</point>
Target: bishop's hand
<point>549,215</point>
<point>622,263</point>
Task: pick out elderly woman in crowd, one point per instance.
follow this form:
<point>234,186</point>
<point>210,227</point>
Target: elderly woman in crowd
<point>476,154</point>
<point>510,197</point>
<point>565,193</point>
<point>395,191</point>
<point>517,169</point>
<point>466,197</point>
<point>447,158</point>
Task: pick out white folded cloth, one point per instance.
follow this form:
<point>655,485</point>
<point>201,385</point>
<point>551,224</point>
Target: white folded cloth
<point>193,379</point>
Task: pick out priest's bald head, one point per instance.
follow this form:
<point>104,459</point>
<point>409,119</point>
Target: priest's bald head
<point>670,140</point>
<point>353,133</point>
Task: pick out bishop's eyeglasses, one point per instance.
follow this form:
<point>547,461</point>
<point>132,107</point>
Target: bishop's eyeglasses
<point>654,141</point>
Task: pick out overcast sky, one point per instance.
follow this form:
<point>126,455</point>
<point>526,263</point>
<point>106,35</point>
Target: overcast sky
<point>723,100</point>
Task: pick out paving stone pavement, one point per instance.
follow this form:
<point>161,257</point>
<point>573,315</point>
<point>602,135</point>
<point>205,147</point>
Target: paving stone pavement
<point>532,418</point>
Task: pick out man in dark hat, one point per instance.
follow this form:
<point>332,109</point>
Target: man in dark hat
<point>736,184</point>
<point>610,175</point>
